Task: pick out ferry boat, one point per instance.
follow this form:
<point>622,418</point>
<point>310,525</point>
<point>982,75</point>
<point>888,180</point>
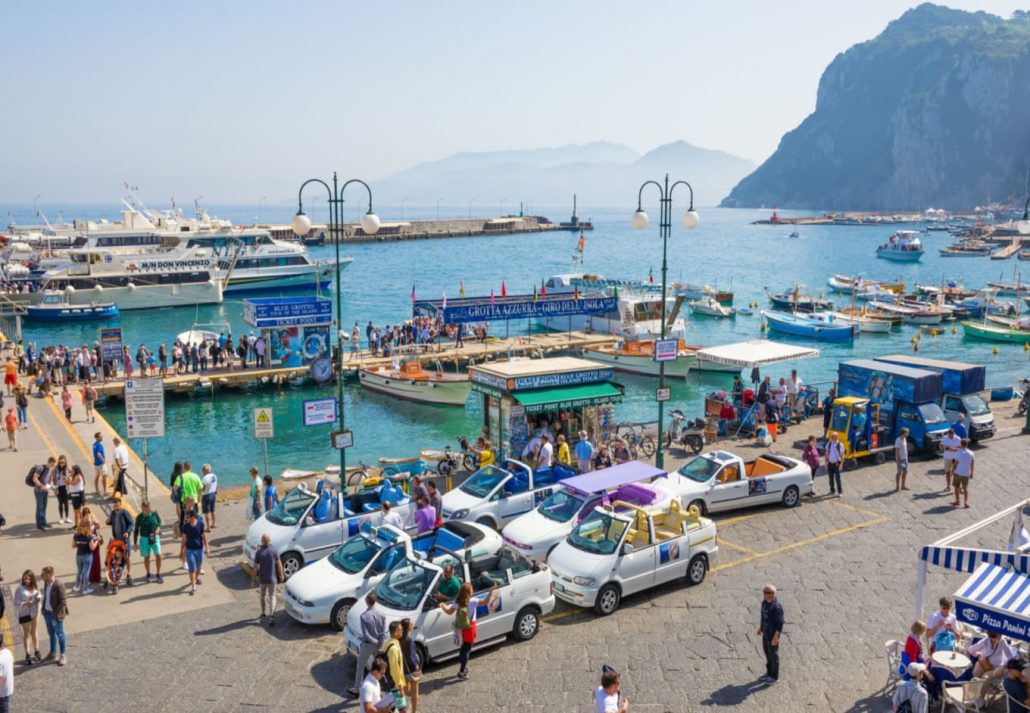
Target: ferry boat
<point>409,381</point>
<point>902,246</point>
<point>139,281</point>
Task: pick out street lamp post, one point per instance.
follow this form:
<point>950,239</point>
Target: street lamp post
<point>1023,226</point>
<point>640,220</point>
<point>302,226</point>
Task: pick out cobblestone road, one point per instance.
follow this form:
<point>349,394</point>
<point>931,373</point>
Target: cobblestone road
<point>845,569</point>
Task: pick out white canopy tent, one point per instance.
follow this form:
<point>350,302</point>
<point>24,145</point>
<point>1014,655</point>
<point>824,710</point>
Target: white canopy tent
<point>755,352</point>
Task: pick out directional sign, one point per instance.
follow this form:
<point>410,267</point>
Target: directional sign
<point>666,349</point>
<point>343,439</point>
<point>318,412</point>
<point>144,408</point>
<point>263,425</point>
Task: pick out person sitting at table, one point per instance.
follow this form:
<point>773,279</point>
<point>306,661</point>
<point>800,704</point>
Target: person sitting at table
<point>912,691</point>
<point>942,620</point>
<point>991,654</point>
<point>620,452</point>
<point>913,652</point>
<point>1017,687</point>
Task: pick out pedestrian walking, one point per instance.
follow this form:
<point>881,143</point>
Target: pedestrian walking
<point>55,610</point>
<point>436,500</point>
<point>391,518</point>
<point>834,461</point>
<point>121,466</point>
<point>147,536</point>
<point>608,696</point>
<point>425,516</point>
<point>951,444</point>
<point>76,491</point>
<point>810,455</point>
<point>270,495</point>
<point>464,609</point>
<point>85,542</point>
<point>21,400</point>
<point>209,494</point>
<point>268,572</point>
<point>99,465</point>
<point>61,476</point>
<point>194,547</point>
<point>11,425</point>
<point>10,375</point>
<point>371,699</point>
<point>584,453</point>
<point>395,665</point>
<point>89,399</point>
<point>412,663</point>
<point>373,634</point>
<point>901,460</point>
<point>27,600</point>
<point>66,402</point>
<point>6,676</point>
<point>769,628</point>
<point>121,523</point>
<point>964,465</point>
<point>254,501</point>
<point>42,484</point>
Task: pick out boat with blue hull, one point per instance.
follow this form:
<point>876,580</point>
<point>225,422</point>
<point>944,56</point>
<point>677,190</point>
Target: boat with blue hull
<point>903,246</point>
<point>810,327</point>
<point>54,307</point>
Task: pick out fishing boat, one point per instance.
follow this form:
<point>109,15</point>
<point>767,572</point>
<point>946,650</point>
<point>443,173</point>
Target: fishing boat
<point>879,315</point>
<point>693,293</point>
<point>809,326</point>
<point>795,234</point>
<point>857,286</point>
<point>709,307</point>
<point>637,357</point>
<point>967,248</point>
<point>902,246</point>
<point>951,290</point>
<point>993,332</point>
<point>1006,289</point>
<point>863,322</point>
<point>53,307</point>
<point>908,314</point>
<point>409,381</point>
<point>986,302</point>
<point>796,302</point>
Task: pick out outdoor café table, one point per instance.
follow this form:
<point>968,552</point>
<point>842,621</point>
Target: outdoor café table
<point>946,669</point>
<point>952,661</point>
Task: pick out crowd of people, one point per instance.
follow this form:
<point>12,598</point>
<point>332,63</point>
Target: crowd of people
<point>424,333</point>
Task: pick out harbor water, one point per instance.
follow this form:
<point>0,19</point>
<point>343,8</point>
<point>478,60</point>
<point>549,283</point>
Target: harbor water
<point>724,251</point>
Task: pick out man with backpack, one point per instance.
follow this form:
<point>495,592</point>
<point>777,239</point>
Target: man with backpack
<point>910,696</point>
<point>394,681</point>
<point>41,478</point>
<point>121,523</point>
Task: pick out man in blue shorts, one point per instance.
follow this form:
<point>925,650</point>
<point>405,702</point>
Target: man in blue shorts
<point>194,547</point>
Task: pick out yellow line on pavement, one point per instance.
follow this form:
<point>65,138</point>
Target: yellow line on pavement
<point>43,437</point>
<point>735,520</point>
<point>862,511</point>
<point>735,546</point>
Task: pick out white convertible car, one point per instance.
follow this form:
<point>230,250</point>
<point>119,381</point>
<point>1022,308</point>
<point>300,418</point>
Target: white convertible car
<point>724,481</point>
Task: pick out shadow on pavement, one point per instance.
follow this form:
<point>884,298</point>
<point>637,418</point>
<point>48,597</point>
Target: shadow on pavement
<point>940,509</point>
<point>732,695</point>
<point>226,628</point>
<point>333,675</point>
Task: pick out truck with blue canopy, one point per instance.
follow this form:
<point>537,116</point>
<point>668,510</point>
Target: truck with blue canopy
<point>960,399</point>
<point>876,399</point>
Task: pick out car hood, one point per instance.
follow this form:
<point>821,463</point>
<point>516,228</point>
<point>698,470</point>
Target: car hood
<point>571,562</point>
<point>321,579</point>
<point>280,535</point>
<point>688,489</point>
<point>458,499</point>
<point>533,527</point>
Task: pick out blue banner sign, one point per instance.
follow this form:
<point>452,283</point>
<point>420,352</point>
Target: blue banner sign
<point>272,312</point>
<point>1009,625</point>
<point>540,381</point>
<point>111,343</point>
<point>483,309</point>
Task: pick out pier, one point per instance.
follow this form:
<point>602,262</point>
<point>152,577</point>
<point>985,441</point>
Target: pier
<point>392,231</point>
<point>1009,250</point>
<point>472,352</point>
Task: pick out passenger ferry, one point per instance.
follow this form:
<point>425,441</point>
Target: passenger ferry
<point>903,246</point>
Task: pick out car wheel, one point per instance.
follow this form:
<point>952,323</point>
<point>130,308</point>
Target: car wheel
<point>696,570</point>
<point>527,623</point>
<point>338,616</point>
<point>486,522</point>
<point>791,496</point>
<point>700,505</point>
<point>607,600</point>
<point>880,458</point>
<point>292,564</point>
<point>423,654</point>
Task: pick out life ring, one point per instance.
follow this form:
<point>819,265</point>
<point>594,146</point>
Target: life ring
<point>132,267</point>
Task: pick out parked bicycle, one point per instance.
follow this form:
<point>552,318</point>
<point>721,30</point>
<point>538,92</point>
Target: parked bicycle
<point>637,441</point>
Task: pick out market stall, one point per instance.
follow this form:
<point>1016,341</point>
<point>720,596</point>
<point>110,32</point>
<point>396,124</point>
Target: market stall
<point>563,395</point>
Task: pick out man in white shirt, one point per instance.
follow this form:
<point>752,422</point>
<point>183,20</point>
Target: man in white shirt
<point>121,464</point>
<point>209,496</point>
<point>942,620</point>
<point>901,459</point>
<point>964,463</point>
<point>545,456</point>
<point>370,697</point>
<point>951,444</point>
<point>794,386</point>
<point>834,461</point>
<point>6,676</point>
<point>391,518</point>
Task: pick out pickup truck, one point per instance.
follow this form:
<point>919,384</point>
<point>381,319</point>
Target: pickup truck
<point>407,591</point>
<point>496,495</point>
<point>624,549</point>
<point>720,480</point>
<point>324,592</point>
<point>306,525</point>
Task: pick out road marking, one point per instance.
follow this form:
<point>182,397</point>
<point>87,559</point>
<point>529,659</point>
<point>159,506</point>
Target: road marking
<point>735,546</point>
<point>735,520</point>
<point>43,437</point>
<point>862,511</point>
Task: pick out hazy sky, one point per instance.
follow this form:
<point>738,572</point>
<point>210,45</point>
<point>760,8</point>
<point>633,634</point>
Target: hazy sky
<point>234,100</point>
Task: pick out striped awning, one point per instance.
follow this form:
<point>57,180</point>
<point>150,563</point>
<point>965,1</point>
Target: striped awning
<point>966,559</point>
<point>996,598</point>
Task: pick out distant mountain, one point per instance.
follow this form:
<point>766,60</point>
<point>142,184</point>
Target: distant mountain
<point>601,173</point>
<point>933,111</point>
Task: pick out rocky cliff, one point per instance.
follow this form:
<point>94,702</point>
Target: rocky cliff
<point>935,111</point>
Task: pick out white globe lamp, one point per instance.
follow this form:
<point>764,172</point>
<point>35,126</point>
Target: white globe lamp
<point>691,219</point>
<point>640,220</point>
<point>370,223</point>
<point>301,224</point>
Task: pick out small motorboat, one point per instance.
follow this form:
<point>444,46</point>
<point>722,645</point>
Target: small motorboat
<point>54,307</point>
<point>902,246</point>
<point>986,302</point>
<point>810,326</point>
<point>795,234</point>
<point>993,332</point>
<point>637,357</point>
<point>794,301</point>
<point>1023,255</point>
<point>710,307</point>
<point>409,381</point>
<point>863,322</point>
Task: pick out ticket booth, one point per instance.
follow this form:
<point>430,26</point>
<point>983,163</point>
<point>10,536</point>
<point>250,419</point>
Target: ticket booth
<point>563,395</point>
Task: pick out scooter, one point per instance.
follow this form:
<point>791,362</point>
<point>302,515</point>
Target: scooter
<point>689,435</point>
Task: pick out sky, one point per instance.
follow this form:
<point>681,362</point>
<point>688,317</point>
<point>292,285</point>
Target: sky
<point>234,100</point>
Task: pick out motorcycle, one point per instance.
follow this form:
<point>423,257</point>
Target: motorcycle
<point>689,435</point>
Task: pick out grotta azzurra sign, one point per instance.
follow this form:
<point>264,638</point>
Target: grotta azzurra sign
<point>522,307</point>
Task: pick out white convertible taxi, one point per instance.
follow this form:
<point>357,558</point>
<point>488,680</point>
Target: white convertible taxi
<point>625,549</point>
<point>496,495</point>
<point>724,481</point>
<point>325,591</point>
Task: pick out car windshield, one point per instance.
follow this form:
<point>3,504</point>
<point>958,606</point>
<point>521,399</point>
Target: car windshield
<point>699,470</point>
<point>932,414</point>
<point>483,481</point>
<point>354,554</point>
<point>599,533</point>
<point>405,586</point>
<point>290,509</point>
<point>975,405</point>
<point>561,506</point>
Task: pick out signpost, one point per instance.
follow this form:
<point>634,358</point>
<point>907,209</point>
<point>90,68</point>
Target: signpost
<point>666,349</point>
<point>318,412</point>
<point>264,428</point>
<point>110,344</point>
<point>663,394</point>
<point>144,415</point>
<point>342,439</point>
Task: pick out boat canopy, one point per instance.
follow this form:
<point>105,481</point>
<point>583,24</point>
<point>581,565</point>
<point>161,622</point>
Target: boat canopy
<point>599,481</point>
<point>755,352</point>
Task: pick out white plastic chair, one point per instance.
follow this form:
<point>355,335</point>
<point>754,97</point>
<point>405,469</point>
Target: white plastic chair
<point>962,696</point>
<point>893,650</point>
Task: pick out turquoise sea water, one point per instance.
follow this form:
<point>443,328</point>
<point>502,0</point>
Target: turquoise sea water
<point>725,250</point>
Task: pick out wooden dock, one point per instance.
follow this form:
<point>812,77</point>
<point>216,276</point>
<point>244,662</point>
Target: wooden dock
<point>1009,250</point>
<point>472,352</point>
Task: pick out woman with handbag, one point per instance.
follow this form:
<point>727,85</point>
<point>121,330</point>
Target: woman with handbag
<point>412,663</point>
<point>465,610</point>
<point>27,599</point>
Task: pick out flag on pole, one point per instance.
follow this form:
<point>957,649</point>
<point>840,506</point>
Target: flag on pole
<point>534,294</point>
<point>461,290</point>
<point>504,291</point>
<point>491,295</point>
<point>443,303</point>
<point>412,294</point>
<point>650,275</point>
<point>543,288</point>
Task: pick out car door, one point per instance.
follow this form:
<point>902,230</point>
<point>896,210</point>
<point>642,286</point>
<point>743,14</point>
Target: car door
<point>672,556</point>
<point>496,620</point>
<point>636,564</point>
<point>954,409</point>
<point>315,539</point>
<point>729,488</point>
<point>514,499</point>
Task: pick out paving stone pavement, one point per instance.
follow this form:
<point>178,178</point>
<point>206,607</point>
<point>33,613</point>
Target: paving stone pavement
<point>845,569</point>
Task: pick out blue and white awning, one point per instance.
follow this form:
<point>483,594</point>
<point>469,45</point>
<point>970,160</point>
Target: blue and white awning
<point>966,559</point>
<point>996,598</point>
